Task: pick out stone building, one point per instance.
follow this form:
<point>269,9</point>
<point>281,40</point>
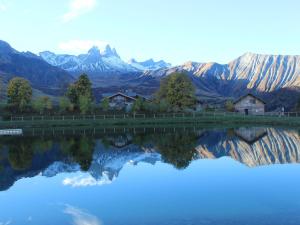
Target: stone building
<point>250,105</point>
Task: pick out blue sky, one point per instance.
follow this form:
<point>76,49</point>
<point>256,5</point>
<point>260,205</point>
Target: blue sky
<point>177,31</point>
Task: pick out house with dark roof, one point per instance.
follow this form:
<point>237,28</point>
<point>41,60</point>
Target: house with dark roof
<point>250,105</point>
<point>120,101</point>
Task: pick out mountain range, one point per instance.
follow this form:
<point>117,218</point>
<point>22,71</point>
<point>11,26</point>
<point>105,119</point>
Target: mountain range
<point>269,76</point>
<point>30,66</point>
<point>101,63</point>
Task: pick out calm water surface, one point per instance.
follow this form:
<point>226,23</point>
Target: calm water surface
<point>159,176</point>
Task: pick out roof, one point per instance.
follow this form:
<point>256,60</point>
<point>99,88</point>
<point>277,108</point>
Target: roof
<point>121,94</point>
<point>249,94</point>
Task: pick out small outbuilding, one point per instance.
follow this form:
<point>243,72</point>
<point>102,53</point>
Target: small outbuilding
<point>250,105</point>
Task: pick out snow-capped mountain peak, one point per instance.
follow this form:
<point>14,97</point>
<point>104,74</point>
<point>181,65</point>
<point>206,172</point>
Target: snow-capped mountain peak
<point>100,62</point>
<point>95,51</point>
<point>149,64</point>
<point>109,52</point>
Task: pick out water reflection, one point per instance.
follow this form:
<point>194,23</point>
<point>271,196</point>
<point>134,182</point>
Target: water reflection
<point>104,154</point>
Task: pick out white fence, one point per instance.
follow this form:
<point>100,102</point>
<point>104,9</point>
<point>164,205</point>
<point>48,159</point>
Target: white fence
<point>152,116</point>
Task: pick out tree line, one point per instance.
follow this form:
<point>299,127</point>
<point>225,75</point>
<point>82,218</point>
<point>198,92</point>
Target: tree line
<point>176,93</point>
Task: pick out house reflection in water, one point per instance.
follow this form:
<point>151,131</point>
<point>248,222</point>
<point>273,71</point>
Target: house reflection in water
<point>250,135</point>
<point>120,141</point>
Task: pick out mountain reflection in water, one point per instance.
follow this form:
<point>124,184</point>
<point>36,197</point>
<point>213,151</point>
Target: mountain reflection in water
<point>104,154</point>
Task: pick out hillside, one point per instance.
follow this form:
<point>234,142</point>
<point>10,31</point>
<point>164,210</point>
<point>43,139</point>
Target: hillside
<point>41,75</point>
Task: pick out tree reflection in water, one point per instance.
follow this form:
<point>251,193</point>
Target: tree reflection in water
<point>177,149</point>
<point>99,153</point>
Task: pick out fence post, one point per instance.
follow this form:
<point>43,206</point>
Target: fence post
<point>94,117</point>
<point>73,117</point>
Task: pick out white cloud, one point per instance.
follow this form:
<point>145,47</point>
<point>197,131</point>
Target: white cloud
<point>78,8</point>
<point>80,46</point>
<point>5,223</point>
<point>80,217</point>
<point>85,181</point>
<point>3,6</point>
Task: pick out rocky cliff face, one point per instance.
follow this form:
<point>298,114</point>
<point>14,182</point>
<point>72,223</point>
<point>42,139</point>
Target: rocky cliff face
<point>266,73</point>
<point>259,73</point>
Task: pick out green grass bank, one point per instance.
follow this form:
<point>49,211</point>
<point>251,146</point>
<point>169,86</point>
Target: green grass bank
<point>143,119</point>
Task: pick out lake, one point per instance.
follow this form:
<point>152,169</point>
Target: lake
<point>157,176</point>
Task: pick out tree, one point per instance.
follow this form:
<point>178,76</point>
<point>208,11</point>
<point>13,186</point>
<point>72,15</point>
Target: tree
<point>105,104</point>
<point>229,106</point>
<point>19,92</point>
<point>72,94</point>
<point>151,106</point>
<point>20,153</point>
<point>82,87</point>
<point>85,103</point>
<point>178,90</point>
<point>164,106</point>
<point>42,103</point>
<point>138,105</point>
<point>81,149</point>
<point>65,104</point>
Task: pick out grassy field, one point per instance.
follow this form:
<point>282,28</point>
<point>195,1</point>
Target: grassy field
<point>162,119</point>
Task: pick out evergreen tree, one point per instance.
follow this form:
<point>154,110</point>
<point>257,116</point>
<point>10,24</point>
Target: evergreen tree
<point>82,87</point>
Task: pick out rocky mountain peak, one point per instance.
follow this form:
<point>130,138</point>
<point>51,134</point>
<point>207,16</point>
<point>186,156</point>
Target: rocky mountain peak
<point>5,48</point>
<point>94,51</point>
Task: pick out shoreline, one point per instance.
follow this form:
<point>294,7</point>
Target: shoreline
<point>205,120</point>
